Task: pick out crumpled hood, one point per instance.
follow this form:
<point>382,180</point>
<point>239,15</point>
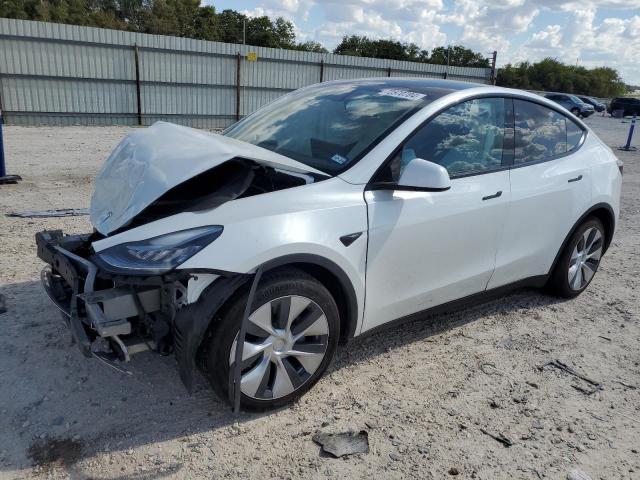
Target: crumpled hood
<point>151,161</point>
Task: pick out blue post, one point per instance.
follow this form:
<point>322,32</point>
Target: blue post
<point>628,147</point>
<point>4,178</point>
<point>3,169</point>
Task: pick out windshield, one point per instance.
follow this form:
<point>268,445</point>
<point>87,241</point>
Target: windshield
<point>331,126</point>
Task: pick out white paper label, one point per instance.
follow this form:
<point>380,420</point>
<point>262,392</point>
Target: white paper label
<point>398,93</point>
<point>338,159</point>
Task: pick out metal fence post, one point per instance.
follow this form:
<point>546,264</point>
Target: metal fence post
<point>321,70</point>
<point>493,67</point>
<point>138,101</point>
<point>3,169</point>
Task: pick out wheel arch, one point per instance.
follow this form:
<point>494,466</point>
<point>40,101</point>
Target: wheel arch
<point>604,213</point>
<point>192,323</point>
<point>333,278</point>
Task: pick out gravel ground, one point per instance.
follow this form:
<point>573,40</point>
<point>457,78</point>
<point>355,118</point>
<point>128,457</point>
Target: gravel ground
<point>426,392</point>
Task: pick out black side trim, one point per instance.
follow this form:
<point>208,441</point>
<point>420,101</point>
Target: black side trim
<point>455,305</point>
<point>394,186</point>
<point>349,239</point>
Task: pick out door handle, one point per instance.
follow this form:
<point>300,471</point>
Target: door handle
<point>577,179</point>
<point>495,195</point>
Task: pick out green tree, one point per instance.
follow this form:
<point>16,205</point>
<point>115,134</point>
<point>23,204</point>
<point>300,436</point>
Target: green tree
<point>310,46</point>
<point>283,30</point>
<point>362,46</point>
<point>552,75</point>
<point>459,56</point>
<point>230,23</point>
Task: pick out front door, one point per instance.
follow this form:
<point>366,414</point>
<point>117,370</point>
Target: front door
<point>428,248</point>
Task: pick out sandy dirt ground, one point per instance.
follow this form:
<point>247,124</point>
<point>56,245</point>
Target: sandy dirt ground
<point>428,394</point>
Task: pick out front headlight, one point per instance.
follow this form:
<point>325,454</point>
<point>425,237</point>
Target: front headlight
<point>158,254</point>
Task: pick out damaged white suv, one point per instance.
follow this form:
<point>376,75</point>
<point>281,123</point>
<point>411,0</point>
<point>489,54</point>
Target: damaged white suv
<point>334,210</point>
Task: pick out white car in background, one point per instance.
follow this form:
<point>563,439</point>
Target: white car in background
<point>359,202</point>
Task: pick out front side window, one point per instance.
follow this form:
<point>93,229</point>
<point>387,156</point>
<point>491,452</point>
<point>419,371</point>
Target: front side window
<point>540,133</point>
<point>331,126</point>
<point>465,139</point>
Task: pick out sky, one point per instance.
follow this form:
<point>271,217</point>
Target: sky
<point>587,32</point>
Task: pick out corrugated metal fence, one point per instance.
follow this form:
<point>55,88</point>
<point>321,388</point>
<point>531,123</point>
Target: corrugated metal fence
<point>62,74</point>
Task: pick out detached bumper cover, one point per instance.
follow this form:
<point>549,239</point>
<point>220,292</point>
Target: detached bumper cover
<point>191,323</point>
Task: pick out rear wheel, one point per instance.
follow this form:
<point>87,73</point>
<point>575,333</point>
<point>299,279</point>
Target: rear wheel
<point>291,338</point>
<point>579,260</point>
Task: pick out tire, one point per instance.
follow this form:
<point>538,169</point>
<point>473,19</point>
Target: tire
<point>584,249</point>
<point>266,374</point>
<point>575,111</point>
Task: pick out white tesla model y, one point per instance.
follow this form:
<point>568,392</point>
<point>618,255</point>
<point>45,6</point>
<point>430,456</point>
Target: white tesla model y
<point>336,209</point>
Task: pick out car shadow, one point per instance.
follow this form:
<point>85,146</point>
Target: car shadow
<point>57,406</point>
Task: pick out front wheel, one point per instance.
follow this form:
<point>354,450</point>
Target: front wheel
<point>575,111</point>
<point>291,338</point>
<point>579,260</point>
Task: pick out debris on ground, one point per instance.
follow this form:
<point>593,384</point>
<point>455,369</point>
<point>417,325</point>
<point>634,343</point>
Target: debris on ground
<point>625,385</point>
<point>577,475</point>
<point>499,438</point>
<point>341,444</point>
<point>63,212</point>
<point>562,366</point>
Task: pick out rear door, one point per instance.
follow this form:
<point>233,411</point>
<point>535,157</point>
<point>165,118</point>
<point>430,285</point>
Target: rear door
<point>550,190</point>
<point>428,248</point>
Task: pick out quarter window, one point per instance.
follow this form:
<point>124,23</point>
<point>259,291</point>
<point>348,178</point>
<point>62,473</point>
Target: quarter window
<point>574,135</point>
<point>465,139</point>
<point>540,133</point>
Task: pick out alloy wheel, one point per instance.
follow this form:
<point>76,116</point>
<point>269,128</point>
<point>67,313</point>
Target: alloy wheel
<point>585,258</point>
<point>285,344</point>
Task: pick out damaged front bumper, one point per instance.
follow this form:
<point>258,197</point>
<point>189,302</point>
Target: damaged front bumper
<point>112,317</point>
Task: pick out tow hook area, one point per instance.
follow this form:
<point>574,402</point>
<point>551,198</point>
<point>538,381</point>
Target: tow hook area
<point>110,317</point>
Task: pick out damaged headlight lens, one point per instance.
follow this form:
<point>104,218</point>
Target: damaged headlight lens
<point>159,254</point>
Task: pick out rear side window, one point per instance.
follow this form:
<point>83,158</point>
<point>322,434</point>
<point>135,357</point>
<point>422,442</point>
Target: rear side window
<point>542,133</point>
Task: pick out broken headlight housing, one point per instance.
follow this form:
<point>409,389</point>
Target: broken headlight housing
<point>158,254</point>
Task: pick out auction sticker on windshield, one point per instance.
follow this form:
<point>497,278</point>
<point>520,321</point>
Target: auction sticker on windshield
<point>398,93</point>
<point>338,159</point>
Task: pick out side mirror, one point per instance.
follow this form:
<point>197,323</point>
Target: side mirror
<point>420,174</point>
